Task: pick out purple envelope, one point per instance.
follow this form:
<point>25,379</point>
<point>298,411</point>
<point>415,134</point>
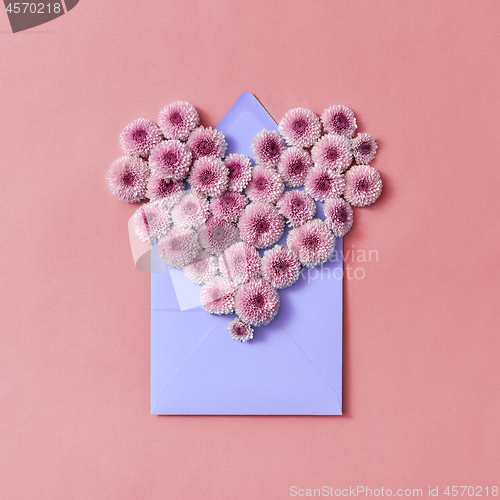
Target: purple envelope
<point>293,366</point>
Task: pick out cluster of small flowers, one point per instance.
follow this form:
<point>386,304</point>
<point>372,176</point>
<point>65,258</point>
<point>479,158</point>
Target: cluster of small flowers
<point>214,232</point>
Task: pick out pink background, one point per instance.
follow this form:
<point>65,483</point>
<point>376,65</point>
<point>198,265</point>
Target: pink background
<point>421,330</point>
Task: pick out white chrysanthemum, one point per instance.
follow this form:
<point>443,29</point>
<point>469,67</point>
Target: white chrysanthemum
<point>240,262</point>
<point>178,247</point>
<point>217,296</point>
<point>202,269</point>
<point>191,211</point>
<point>150,222</point>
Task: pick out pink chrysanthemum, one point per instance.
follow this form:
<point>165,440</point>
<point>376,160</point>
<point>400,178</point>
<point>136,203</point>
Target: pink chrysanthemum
<point>339,120</point>
<point>240,171</point>
<point>228,206</point>
<point>339,216</point>
<point>267,147</point>
<point>261,225</point>
<point>300,127</point>
<point>240,331</point>
<point>190,211</point>
<point>240,263</point>
<point>217,296</point>
<point>128,178</point>
<point>298,207</point>
<point>209,176</point>
<point>178,119</point>
<point>202,269</point>
<point>163,192</point>
<point>363,185</point>
<point>178,247</point>
<point>216,235</point>
<point>294,165</point>
<point>322,183</point>
<point>312,242</point>
<point>150,222</point>
<point>280,267</point>
<point>257,302</point>
<point>170,160</point>
<point>333,152</point>
<point>207,142</point>
<point>364,148</point>
<point>140,137</point>
<point>265,185</point>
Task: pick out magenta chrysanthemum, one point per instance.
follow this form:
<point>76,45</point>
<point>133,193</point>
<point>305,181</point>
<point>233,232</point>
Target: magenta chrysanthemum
<point>364,148</point>
<point>265,185</point>
<point>240,331</point>
<point>322,183</point>
<point>170,160</point>
<point>298,207</point>
<point>217,296</point>
<point>140,137</point>
<point>190,211</point>
<point>267,147</point>
<point>280,267</point>
<point>240,171</point>
<point>128,178</point>
<point>178,119</point>
<point>339,120</point>
<point>300,127</point>
<point>339,216</point>
<point>217,234</point>
<point>150,222</point>
<point>228,206</point>
<point>363,185</point>
<point>209,176</point>
<point>294,166</point>
<point>257,302</point>
<point>333,152</point>
<point>261,225</point>
<point>178,247</point>
<point>240,263</point>
<point>313,243</point>
<point>166,193</point>
<point>202,269</point>
<point>207,142</point>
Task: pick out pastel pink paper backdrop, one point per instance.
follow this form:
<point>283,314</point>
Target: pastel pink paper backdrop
<point>421,330</point>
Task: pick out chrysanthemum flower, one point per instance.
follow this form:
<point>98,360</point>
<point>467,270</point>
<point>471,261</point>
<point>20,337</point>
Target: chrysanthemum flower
<point>267,147</point>
<point>363,185</point>
<point>339,216</point>
<point>207,142</point>
<point>240,171</point>
<point>150,222</point>
<point>209,176</point>
<point>339,120</point>
<point>240,262</point>
<point>217,296</point>
<point>228,206</point>
<point>280,267</point>
<point>312,242</point>
<point>202,269</point>
<point>163,192</point>
<point>364,148</point>
<point>322,183</point>
<point>179,246</point>
<point>140,137</point>
<point>261,225</point>
<point>300,127</point>
<point>294,166</point>
<point>128,178</point>
<point>257,302</point>
<point>178,119</point>
<point>265,185</point>
<point>217,234</point>
<point>240,331</point>
<point>298,207</point>
<point>333,152</point>
<point>190,211</point>
<point>170,160</point>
